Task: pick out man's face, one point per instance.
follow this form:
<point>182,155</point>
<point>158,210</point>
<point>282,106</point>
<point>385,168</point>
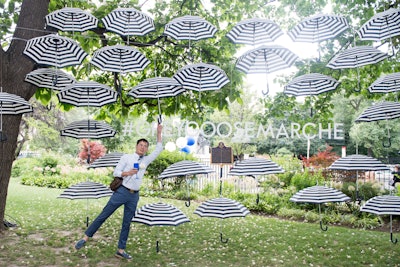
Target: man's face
<point>142,148</point>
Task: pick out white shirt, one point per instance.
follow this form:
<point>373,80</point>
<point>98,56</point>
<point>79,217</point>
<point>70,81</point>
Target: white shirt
<point>126,164</point>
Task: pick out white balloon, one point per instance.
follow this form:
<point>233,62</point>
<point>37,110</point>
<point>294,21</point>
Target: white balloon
<point>170,146</point>
<point>181,142</point>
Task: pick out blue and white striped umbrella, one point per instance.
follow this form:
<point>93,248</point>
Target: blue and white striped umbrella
<point>386,84</point>
<point>86,190</point>
<point>383,25</point>
<point>51,78</point>
<point>71,19</point>
<point>189,28</point>
<point>358,162</point>
<point>254,31</point>
<point>108,160</point>
<point>185,168</point>
<point>310,84</point>
<point>355,57</point>
<point>255,167</point>
<point>54,50</point>
<point>386,110</point>
<point>157,87</point>
<point>88,129</point>
<point>11,104</point>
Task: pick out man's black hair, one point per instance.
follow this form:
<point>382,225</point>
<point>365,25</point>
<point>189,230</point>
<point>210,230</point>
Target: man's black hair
<point>143,140</point>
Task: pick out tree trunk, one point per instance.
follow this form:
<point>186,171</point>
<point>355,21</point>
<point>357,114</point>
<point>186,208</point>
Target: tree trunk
<point>14,66</point>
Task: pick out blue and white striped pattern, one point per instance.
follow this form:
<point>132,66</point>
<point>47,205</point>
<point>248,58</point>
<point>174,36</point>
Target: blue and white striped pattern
<point>128,22</point>
<point>119,58</point>
<point>108,160</point>
<point>185,168</point>
<point>189,28</point>
<point>11,104</point>
<point>222,208</point>
<point>310,84</point>
<point>88,129</point>
<point>255,167</point>
<point>54,50</point>
<point>160,214</point>
<point>86,190</point>
<point>254,31</point>
<point>51,78</point>
<point>71,19</point>
<point>319,194</point>
<point>318,28</point>
<point>157,87</point>
<point>201,77</point>
<point>382,26</point>
<point>266,59</point>
<point>382,205</point>
<point>387,84</point>
<point>358,162</point>
<point>386,110</point>
<point>355,57</point>
<point>90,93</point>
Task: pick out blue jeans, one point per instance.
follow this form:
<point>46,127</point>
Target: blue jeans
<point>122,196</point>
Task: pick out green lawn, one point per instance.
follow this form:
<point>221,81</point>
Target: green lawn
<point>48,228</point>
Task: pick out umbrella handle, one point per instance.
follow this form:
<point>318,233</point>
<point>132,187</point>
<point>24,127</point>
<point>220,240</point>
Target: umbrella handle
<point>388,144</point>
<point>258,198</point>
<point>158,246</point>
<point>394,241</point>
<point>223,240</point>
<point>323,228</point>
<point>187,203</point>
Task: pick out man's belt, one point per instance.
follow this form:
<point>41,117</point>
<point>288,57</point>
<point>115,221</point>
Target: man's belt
<point>131,190</point>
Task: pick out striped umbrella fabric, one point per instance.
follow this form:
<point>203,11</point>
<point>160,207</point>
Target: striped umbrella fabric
<point>108,160</point>
<point>160,214</point>
<point>318,28</point>
<point>318,195</point>
<point>201,77</point>
<point>266,59</point>
<point>87,93</point>
<point>128,22</point>
<point>254,31</point>
<point>381,26</point>
<point>255,167</point>
<point>310,84</point>
<point>71,19</point>
<point>86,190</point>
<point>387,84</point>
<point>11,104</point>
<point>358,162</point>
<point>157,87</point>
<point>51,78</point>
<point>54,50</point>
<point>355,57</point>
<point>88,129</point>
<point>189,28</point>
<point>386,110</point>
<point>222,208</point>
<point>185,168</point>
<point>119,58</point>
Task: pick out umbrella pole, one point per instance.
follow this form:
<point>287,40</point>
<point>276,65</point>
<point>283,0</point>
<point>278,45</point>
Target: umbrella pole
<point>320,219</point>
<point>187,203</point>
<point>394,241</point>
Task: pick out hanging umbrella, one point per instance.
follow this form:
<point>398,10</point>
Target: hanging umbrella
<point>254,31</point>
<point>185,168</point>
<point>108,160</point>
<point>128,22</point>
<point>54,50</point>
<point>310,84</point>
<point>86,190</point>
<point>383,205</point>
<point>71,19</point>
<point>49,78</point>
<point>160,214</point>
<point>189,28</point>
<point>255,167</point>
<point>119,58</point>
<point>90,93</point>
<point>387,84</point>
<point>221,208</point>
<point>381,26</point>
<point>157,88</point>
<point>319,195</point>
<point>357,163</point>
<point>88,129</point>
<point>266,59</point>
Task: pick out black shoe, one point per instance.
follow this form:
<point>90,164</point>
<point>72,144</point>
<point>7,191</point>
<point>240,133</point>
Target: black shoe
<point>123,255</point>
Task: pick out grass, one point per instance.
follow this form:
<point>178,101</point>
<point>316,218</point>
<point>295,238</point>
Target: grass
<point>48,228</point>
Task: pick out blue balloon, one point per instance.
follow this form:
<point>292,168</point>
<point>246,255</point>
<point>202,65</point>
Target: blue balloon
<point>185,149</point>
<point>190,141</point>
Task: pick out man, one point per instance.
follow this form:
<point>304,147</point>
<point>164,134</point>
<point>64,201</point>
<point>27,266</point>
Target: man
<point>396,176</point>
<point>131,168</point>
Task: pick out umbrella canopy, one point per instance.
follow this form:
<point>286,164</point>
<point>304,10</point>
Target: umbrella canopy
<point>386,110</point>
<point>222,208</point>
<point>318,195</point>
<point>266,59</point>
<point>128,22</point>
<point>189,28</point>
<point>160,214</point>
<point>355,57</point>
<point>254,31</point>
<point>71,19</point>
<point>310,84</point>
<point>201,77</point>
<point>381,26</point>
<point>358,162</point>
<point>119,58</point>
<point>54,50</point>
<point>55,79</point>
<point>185,168</point>
<point>89,93</point>
<point>108,160</point>
<point>387,84</point>
<point>86,190</point>
<point>11,104</point>
<point>255,167</point>
<point>157,87</point>
<point>318,28</point>
<point>88,129</point>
